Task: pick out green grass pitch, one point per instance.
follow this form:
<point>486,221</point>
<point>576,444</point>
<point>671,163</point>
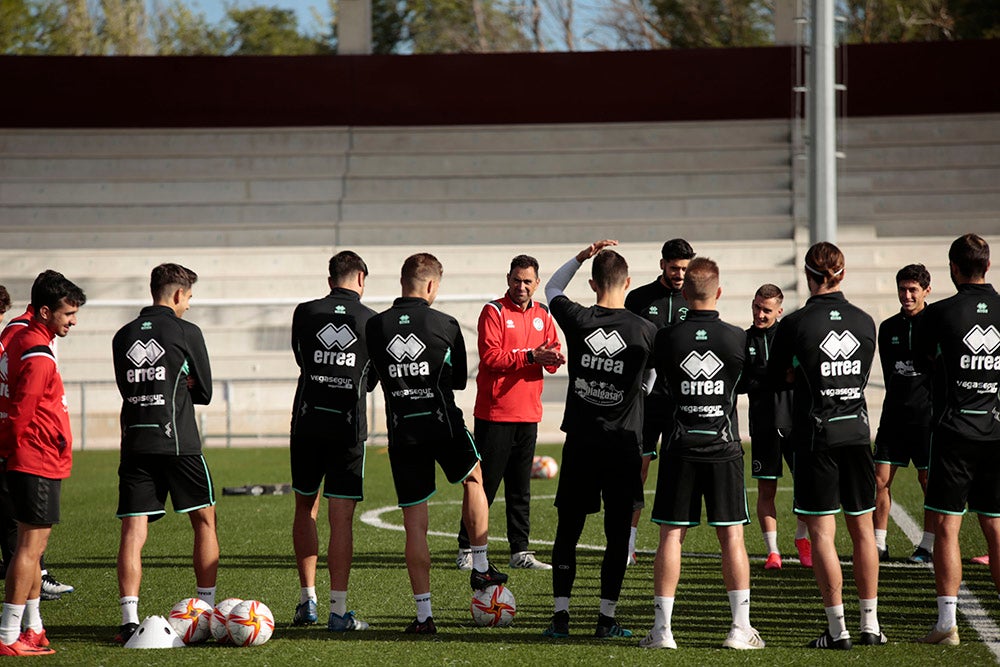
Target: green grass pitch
<point>257,562</point>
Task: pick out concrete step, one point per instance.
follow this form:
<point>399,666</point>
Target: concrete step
<point>909,130</point>
<point>172,168</point>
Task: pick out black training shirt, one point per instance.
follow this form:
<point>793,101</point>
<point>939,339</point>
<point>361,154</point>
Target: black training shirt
<point>662,305</point>
<point>905,370</point>
<point>768,410</point>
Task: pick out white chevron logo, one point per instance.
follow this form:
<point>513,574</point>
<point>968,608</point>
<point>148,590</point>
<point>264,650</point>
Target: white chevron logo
<point>701,365</point>
<point>401,348</point>
<point>982,340</point>
<point>145,353</point>
<point>840,345</point>
<point>608,344</point>
<point>339,337</point>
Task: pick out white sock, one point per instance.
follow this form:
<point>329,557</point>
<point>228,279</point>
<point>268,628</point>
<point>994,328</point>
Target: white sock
<point>771,541</point>
<point>947,606</point>
<point>10,622</point>
<point>338,602</point>
<point>801,530</point>
<point>869,616</point>
<point>32,619</point>
<point>207,595</point>
<point>480,562</point>
<point>608,607</point>
<point>927,542</point>
<point>307,593</point>
<point>423,601</point>
<point>663,610</point>
<point>739,604</point>
<point>880,538</point>
<point>631,540</point>
<point>835,622</point>
<point>561,604</point>
<point>130,608</point>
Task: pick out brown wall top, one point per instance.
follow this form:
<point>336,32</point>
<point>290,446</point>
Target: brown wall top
<point>669,85</point>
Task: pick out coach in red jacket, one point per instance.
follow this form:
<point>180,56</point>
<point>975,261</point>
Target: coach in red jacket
<point>37,447</point>
<point>517,338</point>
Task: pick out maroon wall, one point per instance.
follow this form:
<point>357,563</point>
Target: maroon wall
<point>671,85</point>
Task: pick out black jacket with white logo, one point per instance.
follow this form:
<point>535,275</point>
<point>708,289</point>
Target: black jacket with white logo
<point>155,355</point>
<point>906,372</point>
<point>963,333</point>
<point>607,353</point>
<point>831,346</point>
<point>768,410</point>
<point>419,355</point>
<point>328,340</point>
<point>702,360</point>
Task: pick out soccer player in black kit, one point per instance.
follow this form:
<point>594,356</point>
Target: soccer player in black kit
<point>701,360</point>
<point>827,347</point>
<point>662,303</point>
<point>329,428</point>
<point>608,352</point>
<point>963,334</point>
<point>419,354</point>
<point>770,424</point>
<point>904,433</point>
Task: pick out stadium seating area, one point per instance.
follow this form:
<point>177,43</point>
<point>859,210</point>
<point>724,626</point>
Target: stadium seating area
<point>258,212</point>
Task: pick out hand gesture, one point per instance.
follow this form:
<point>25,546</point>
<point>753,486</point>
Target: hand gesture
<point>593,249</point>
<point>546,354</point>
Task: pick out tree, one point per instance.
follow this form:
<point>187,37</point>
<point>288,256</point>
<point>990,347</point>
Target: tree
<point>124,31</point>
<point>272,31</point>
<point>177,31</point>
<point>388,25</point>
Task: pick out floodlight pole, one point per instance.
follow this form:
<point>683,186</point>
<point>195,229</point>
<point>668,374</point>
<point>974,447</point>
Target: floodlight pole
<point>822,126</point>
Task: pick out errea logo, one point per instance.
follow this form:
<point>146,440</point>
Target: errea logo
<point>604,345</point>
<point>840,347</point>
<point>145,354</point>
<point>705,365</point>
<point>701,334</point>
<point>336,339</point>
<point>982,309</point>
<point>984,342</point>
<point>835,316</point>
<point>407,348</point>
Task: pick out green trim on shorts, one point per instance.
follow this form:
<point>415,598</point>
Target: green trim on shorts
<point>703,432</point>
<point>208,477</point>
<point>334,495</point>
<point>934,509</point>
<point>680,524</point>
<point>893,463</point>
<point>974,412</point>
<point>466,475</point>
<point>841,418</point>
<point>188,510</point>
<point>153,513</point>
<point>723,524</point>
<point>826,513</point>
<point>862,512</point>
<point>419,501</point>
<point>989,514</point>
<point>306,493</point>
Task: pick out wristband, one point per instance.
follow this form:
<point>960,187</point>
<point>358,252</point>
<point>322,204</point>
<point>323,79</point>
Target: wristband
<point>531,357</point>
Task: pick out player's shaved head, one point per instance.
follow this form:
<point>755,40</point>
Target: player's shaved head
<point>609,270</point>
<point>420,268</point>
<point>701,282</point>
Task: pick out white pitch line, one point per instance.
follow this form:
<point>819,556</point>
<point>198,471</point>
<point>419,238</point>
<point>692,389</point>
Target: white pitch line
<point>974,613</point>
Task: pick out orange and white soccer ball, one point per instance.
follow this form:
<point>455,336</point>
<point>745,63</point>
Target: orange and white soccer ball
<point>544,467</point>
<point>250,623</point>
<point>190,619</point>
<point>219,615</point>
<point>493,607</point>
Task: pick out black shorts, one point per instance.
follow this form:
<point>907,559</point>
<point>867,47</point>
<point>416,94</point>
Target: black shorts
<point>35,499</point>
<point>899,444</point>
<point>599,466</point>
<point>766,453</point>
<point>682,484</point>
<point>144,480</point>
<point>413,465</point>
<point>829,479</point>
<point>340,461</point>
<point>963,472</point>
<point>657,424</point>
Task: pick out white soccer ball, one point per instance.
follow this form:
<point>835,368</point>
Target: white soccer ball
<point>219,616</point>
<point>493,607</point>
<point>544,467</point>
<point>190,619</point>
<point>250,623</point>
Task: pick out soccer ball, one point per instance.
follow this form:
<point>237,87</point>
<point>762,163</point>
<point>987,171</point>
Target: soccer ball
<point>190,620</point>
<point>219,615</point>
<point>250,623</point>
<point>493,607</point>
<point>544,467</point>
